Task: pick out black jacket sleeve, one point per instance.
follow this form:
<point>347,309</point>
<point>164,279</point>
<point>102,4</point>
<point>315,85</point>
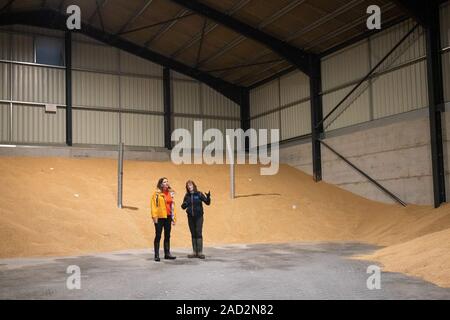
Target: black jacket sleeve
<point>205,199</point>
<point>185,203</point>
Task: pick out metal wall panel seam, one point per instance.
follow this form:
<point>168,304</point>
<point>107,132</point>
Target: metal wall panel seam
<point>200,98</point>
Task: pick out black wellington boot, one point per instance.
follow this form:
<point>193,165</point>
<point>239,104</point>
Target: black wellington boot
<point>200,248</point>
<point>167,254</point>
<point>194,249</point>
<point>157,252</point>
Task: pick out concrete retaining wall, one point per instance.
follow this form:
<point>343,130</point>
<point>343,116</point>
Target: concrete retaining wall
<point>149,154</point>
<point>394,151</point>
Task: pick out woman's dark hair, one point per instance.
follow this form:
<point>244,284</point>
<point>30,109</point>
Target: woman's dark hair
<point>193,184</point>
<point>160,182</point>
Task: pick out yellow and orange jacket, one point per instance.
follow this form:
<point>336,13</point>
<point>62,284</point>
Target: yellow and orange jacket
<point>158,206</point>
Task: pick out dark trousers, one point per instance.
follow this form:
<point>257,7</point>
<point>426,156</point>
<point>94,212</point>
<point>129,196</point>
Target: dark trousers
<point>195,226</point>
<point>165,224</point>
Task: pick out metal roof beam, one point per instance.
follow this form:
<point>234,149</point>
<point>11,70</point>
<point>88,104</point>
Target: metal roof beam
<point>263,24</point>
<point>135,16</point>
<point>314,25</point>
<point>294,55</point>
<point>209,29</point>
<point>166,27</point>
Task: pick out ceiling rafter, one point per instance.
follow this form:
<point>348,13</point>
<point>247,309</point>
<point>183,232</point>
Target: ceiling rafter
<point>294,55</point>
<point>135,16</point>
<point>209,29</point>
<point>277,15</point>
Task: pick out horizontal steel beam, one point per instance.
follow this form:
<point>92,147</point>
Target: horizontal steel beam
<point>209,29</point>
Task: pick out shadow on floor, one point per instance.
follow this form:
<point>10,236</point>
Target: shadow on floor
<point>257,195</point>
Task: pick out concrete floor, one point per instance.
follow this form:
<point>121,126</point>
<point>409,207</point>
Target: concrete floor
<point>277,271</point>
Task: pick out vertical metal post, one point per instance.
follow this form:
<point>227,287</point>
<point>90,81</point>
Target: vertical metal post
<point>10,134</point>
<point>120,176</point>
<point>436,103</point>
<point>120,96</point>
<point>230,154</point>
<point>245,113</point>
<point>316,116</point>
<point>167,93</point>
<point>68,60</point>
<point>280,126</point>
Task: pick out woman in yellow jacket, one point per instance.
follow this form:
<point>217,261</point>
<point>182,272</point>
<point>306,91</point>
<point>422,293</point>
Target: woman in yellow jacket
<point>163,215</point>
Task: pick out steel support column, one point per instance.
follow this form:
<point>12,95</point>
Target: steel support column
<point>315,83</point>
<point>245,113</point>
<point>167,93</point>
<point>436,102</point>
<point>68,62</point>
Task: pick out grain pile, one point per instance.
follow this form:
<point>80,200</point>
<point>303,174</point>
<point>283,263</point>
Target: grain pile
<point>60,206</point>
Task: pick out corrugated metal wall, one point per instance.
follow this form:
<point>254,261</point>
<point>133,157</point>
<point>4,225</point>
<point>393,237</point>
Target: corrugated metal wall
<point>355,110</point>
<point>403,89</point>
<point>186,97</point>
<point>446,75</point>
<point>282,104</point>
<point>185,123</point>
<point>94,57</point>
<point>135,65</point>
<point>400,85</point>
<point>38,84</point>
<point>336,73</point>
<point>400,91</point>
<point>220,124</point>
<point>31,124</point>
<point>4,122</point>
<point>296,120</point>
<point>141,94</point>
<point>95,89</point>
<point>269,121</point>
<point>32,87</point>
<point>264,98</point>
<point>22,48</point>
<point>95,127</point>
<point>143,130</point>
<point>108,85</point>
<point>193,98</point>
<point>4,83</point>
<point>410,50</point>
<point>215,104</point>
<point>293,87</point>
<point>346,66</point>
<point>108,78</point>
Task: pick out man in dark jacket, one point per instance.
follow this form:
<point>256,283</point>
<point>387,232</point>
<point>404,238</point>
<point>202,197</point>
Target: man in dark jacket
<point>193,204</point>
